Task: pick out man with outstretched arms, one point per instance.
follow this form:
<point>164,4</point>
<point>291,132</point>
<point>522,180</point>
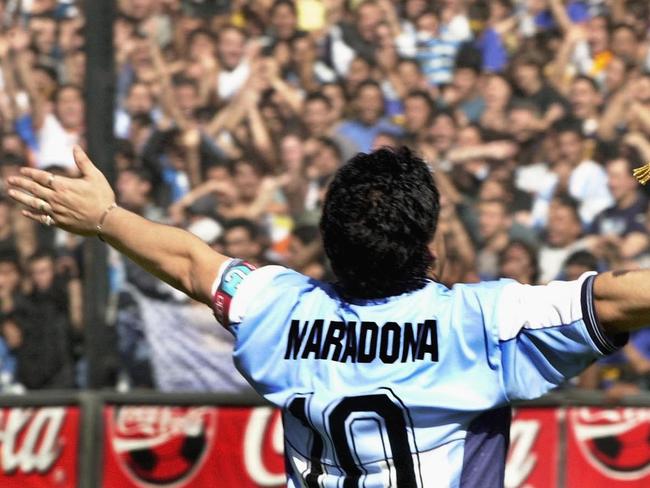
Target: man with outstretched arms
<point>386,377</point>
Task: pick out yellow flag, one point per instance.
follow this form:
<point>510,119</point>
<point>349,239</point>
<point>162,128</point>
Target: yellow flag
<point>311,14</point>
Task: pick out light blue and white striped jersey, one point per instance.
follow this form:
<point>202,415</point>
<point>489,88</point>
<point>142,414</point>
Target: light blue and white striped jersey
<point>436,56</point>
<point>409,391</point>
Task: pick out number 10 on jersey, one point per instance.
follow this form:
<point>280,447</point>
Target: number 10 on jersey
<point>379,419</point>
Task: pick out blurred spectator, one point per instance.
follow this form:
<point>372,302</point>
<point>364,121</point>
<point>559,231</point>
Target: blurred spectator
<point>38,335</point>
<point>369,118</point>
<point>626,373</point>
<point>57,295</point>
<point>582,178</point>
<point>134,188</point>
<point>10,281</point>
<point>464,93</point>
<point>586,100</point>
<point>434,51</point>
<point>233,65</point>
<point>7,235</point>
<point>563,237</point>
<point>419,108</point>
<point>579,263</point>
<point>241,239</point>
<point>306,252</point>
<point>621,226</point>
<point>529,80</point>
<point>320,121</point>
<point>518,261</point>
<point>495,222</point>
<point>139,102</point>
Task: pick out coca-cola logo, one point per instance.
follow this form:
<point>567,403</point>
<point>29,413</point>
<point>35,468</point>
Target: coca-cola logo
<point>615,441</point>
<point>263,435</point>
<point>161,446</point>
<point>522,458</point>
<point>30,439</point>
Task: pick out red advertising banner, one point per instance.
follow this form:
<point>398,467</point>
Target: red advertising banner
<point>39,447</point>
<point>205,447</point>
<point>197,447</point>
<point>608,447</point>
<point>192,447</point>
<point>533,456</point>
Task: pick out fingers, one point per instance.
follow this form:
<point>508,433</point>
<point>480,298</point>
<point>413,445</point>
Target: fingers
<point>43,178</point>
<point>83,162</point>
<point>40,218</point>
<point>30,201</point>
<point>34,216</point>
<point>31,186</point>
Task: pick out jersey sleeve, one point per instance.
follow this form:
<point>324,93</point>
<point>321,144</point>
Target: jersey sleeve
<point>548,334</point>
<point>237,287</point>
<point>255,306</point>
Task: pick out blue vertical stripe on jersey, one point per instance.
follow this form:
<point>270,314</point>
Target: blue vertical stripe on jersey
<point>486,445</point>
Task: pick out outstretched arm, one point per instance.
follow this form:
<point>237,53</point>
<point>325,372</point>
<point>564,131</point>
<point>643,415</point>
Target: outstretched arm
<point>84,206</point>
<point>622,300</point>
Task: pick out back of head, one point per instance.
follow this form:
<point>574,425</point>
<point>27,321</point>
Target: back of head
<point>584,259</point>
<point>379,217</point>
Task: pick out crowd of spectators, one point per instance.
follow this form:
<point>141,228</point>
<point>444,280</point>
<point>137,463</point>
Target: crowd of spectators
<point>232,116</point>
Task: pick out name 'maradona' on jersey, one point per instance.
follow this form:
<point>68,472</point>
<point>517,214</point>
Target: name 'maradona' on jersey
<point>348,342</point>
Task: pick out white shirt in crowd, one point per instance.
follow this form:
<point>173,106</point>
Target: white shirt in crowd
<point>587,184</point>
<point>55,144</point>
<point>229,82</point>
<point>552,259</point>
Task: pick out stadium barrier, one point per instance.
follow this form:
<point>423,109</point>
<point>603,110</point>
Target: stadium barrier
<point>137,440</point>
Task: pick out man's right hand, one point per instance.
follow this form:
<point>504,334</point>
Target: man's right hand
<point>73,204</point>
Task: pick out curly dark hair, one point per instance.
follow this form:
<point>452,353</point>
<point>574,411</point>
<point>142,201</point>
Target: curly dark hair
<point>379,216</point>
